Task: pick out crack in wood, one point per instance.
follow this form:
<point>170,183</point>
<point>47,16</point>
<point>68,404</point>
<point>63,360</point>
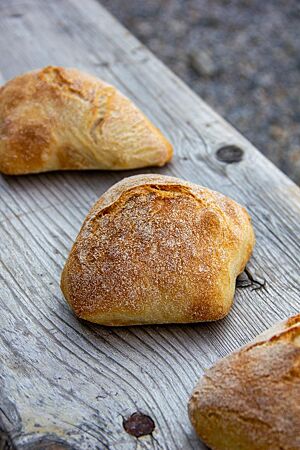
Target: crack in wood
<point>10,423</point>
<point>250,278</point>
<point>47,445</point>
<point>5,441</point>
<point>46,442</point>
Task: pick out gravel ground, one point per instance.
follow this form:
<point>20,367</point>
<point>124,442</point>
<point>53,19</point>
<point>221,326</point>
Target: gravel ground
<point>241,56</point>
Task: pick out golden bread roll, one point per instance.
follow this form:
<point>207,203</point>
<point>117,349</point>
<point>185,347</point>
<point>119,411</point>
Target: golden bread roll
<point>56,118</point>
<point>251,399</point>
<point>157,249</point>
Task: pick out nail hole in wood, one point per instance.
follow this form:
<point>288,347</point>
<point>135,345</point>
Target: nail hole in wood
<point>230,154</point>
<point>138,424</point>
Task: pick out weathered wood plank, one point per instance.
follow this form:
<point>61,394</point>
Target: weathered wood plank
<point>72,382</point>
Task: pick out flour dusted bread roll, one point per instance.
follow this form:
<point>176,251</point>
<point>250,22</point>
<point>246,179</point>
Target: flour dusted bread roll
<point>156,249</point>
<point>251,399</point>
<point>56,118</point>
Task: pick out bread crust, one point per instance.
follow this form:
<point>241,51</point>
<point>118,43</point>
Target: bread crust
<point>157,249</point>
<point>251,399</point>
<point>57,118</point>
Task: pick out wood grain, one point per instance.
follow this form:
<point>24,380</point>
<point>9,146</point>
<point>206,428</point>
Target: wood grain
<point>68,384</point>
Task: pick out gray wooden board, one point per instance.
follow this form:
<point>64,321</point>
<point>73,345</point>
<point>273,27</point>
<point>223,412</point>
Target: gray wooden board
<point>66,381</point>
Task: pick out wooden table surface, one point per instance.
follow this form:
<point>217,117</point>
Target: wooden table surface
<point>69,384</point>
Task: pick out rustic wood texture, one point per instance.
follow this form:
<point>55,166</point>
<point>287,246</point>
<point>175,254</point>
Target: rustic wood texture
<point>70,384</point>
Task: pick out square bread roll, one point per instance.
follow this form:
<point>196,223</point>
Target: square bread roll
<point>156,249</point>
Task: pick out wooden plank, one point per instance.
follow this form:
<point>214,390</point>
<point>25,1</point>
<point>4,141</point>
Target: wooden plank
<point>69,383</point>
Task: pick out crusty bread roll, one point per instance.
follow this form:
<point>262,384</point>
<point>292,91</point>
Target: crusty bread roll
<point>156,249</point>
<point>251,399</point>
<point>57,118</point>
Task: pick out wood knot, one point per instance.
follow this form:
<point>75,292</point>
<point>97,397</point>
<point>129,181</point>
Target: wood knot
<point>138,424</point>
<point>230,154</point>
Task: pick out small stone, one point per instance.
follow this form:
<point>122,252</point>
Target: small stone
<point>266,80</point>
<point>208,21</point>
<point>277,132</point>
<point>144,28</point>
<point>178,27</point>
<point>203,64</point>
<point>295,155</point>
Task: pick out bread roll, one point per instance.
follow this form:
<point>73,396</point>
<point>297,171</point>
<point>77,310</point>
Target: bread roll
<point>56,118</point>
<point>156,249</point>
<point>251,399</point>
